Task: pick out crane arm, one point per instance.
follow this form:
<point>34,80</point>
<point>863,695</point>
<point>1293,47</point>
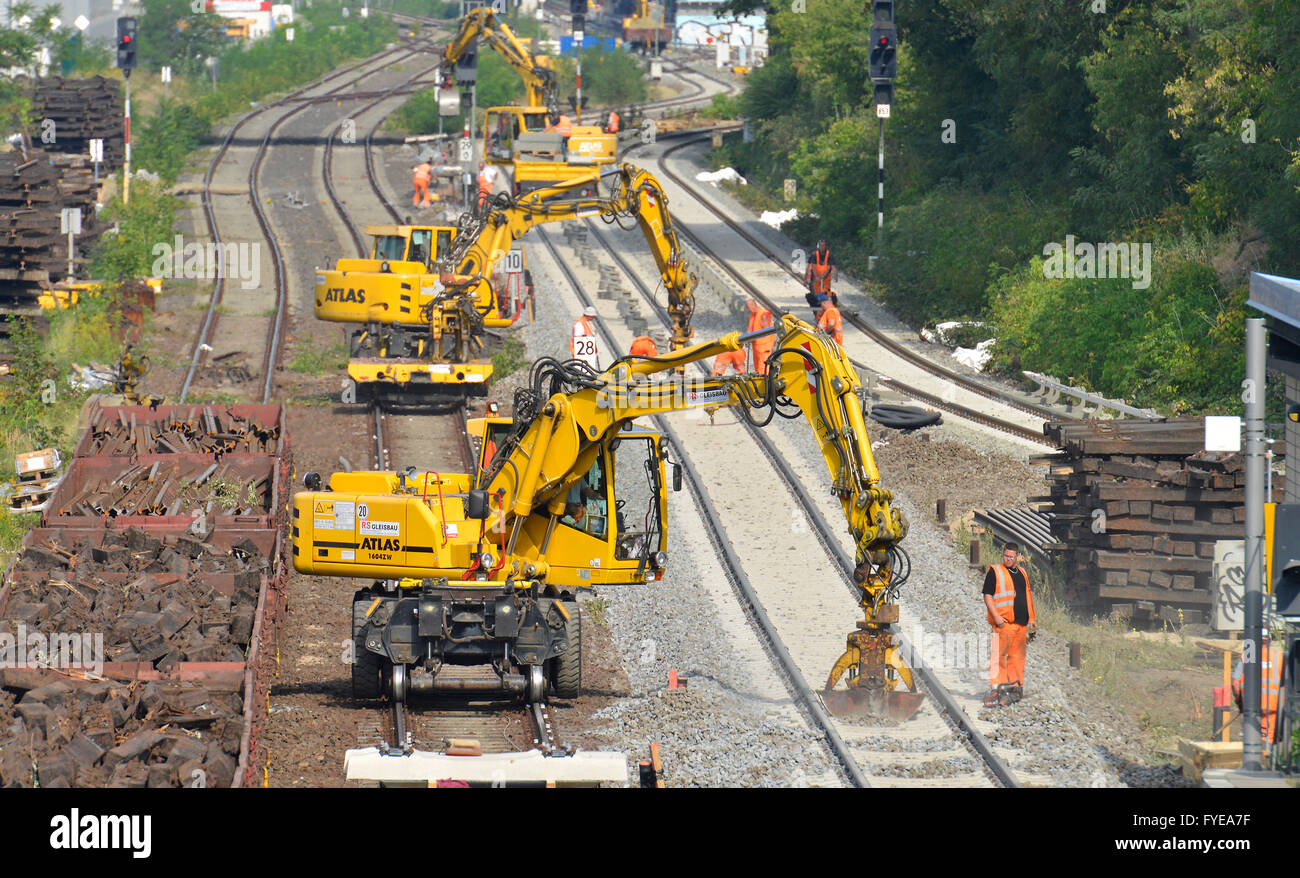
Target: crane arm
<point>558,428</point>
<point>635,194</point>
<point>539,80</point>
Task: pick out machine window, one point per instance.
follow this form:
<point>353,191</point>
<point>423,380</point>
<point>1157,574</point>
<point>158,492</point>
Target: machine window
<point>420,241</point>
<point>636,509</point>
<point>586,507</point>
<point>389,247</point>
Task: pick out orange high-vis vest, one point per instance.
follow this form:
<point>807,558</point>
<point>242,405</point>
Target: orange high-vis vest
<point>644,346</point>
<point>563,126</point>
<point>1270,688</point>
<point>830,322</point>
<point>1004,595</point>
<point>761,318</point>
<point>819,272</point>
<point>582,326</point>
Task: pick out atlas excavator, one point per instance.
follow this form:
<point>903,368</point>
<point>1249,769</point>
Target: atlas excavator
<point>525,138</point>
<point>570,493</point>
<point>421,314</point>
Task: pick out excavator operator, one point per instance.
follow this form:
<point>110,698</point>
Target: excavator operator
<point>584,508</point>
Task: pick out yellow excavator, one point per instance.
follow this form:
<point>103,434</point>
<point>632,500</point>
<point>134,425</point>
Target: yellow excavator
<point>485,568</point>
<point>424,298</point>
<point>525,137</point>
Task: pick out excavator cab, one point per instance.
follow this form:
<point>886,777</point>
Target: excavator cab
<point>505,128</point>
<point>393,355</point>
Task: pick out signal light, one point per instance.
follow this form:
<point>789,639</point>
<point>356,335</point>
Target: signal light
<point>126,32</point>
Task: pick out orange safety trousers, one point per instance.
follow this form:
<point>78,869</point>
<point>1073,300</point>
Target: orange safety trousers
<point>731,358</point>
<point>421,183</point>
<point>1007,664</point>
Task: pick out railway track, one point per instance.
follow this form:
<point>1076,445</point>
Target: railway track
<point>858,766</point>
<point>295,103</point>
<point>498,724</point>
<point>874,334</point>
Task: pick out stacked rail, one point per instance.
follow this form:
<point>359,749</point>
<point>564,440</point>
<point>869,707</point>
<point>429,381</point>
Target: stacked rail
<point>1139,505</point>
<point>151,592</point>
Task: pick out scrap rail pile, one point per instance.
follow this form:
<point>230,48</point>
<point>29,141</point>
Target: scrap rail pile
<point>1139,505</point>
<point>174,562</point>
<point>196,430</point>
<point>164,487</point>
<point>174,616</point>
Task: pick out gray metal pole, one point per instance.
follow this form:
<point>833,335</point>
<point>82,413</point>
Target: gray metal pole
<point>1252,740</point>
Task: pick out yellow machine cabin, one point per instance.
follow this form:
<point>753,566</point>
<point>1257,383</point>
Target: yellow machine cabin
<point>525,138</point>
<point>399,352</point>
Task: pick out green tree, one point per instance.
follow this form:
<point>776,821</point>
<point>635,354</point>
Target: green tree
<point>173,34</point>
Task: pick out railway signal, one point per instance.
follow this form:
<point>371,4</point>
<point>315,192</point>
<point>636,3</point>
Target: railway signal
<point>126,43</point>
<point>882,66</point>
<point>882,62</point>
<point>126,34</point>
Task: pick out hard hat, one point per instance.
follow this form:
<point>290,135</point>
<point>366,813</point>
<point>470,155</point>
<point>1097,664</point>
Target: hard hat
<point>589,311</point>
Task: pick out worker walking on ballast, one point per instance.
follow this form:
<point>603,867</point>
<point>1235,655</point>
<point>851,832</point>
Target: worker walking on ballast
<point>423,173</point>
<point>1010,605</point>
<point>821,273</point>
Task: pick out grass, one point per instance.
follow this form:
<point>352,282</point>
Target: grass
<point>13,526</point>
<point>213,397</point>
<point>595,610</point>
<point>509,359</point>
<point>312,360</point>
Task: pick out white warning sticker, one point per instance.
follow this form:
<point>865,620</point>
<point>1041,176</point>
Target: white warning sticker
<point>450,530</point>
<point>345,514</point>
<point>348,555</point>
<point>380,528</point>
<point>323,523</point>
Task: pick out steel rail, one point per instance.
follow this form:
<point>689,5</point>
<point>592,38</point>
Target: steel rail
<point>799,688</point>
<point>830,542</point>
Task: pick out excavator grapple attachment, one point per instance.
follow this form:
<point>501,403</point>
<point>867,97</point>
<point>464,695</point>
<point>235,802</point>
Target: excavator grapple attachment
<point>879,683</point>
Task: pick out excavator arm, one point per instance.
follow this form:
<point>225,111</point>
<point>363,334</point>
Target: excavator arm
<point>635,195</point>
<point>539,80</point>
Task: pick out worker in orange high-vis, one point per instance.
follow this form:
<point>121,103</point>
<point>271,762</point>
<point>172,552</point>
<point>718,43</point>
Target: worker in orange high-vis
<point>831,322</point>
<point>611,126</point>
<point>423,172</point>
<point>730,358</point>
<point>562,126</point>
<point>1010,605</point>
<point>643,346</point>
<point>760,318</point>
<point>487,177</point>
<point>820,274</point>
<point>1271,660</point>
<point>584,344</point>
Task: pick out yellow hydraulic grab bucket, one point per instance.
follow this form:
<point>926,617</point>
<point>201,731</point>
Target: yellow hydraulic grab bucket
<point>879,682</point>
